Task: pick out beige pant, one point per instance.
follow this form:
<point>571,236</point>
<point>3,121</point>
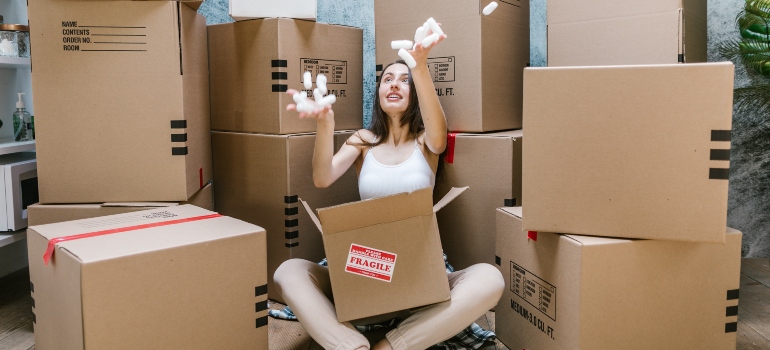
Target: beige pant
<point>306,289</point>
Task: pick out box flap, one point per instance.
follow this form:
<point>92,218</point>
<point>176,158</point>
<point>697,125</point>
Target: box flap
<point>450,196</point>
<point>515,211</point>
<point>375,211</point>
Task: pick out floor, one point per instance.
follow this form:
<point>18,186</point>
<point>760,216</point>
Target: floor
<point>753,315</point>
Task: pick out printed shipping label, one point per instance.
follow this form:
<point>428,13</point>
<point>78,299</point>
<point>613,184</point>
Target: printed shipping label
<point>370,262</point>
<point>100,38</point>
<point>534,290</point>
<point>442,69</point>
<point>336,72</point>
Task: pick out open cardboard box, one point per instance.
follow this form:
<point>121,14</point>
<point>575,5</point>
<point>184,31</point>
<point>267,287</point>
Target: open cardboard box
<point>384,253</point>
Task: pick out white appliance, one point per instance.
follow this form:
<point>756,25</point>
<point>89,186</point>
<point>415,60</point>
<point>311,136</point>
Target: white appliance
<point>18,189</point>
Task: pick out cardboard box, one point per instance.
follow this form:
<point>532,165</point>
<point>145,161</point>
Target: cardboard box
<point>491,165</point>
<point>607,32</point>
<point>384,253</point>
<point>260,177</point>
<point>173,278</point>
<point>42,214</point>
<point>477,70</point>
<point>583,292</point>
<point>254,62</point>
<point>628,151</point>
<point>248,9</point>
<point>120,122</point>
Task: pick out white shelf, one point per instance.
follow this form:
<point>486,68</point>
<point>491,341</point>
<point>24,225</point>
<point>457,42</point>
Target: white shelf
<point>14,62</point>
<point>10,146</point>
<point>10,237</point>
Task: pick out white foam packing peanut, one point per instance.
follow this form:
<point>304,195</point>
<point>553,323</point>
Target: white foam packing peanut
<point>300,97</point>
<point>305,107</point>
<point>326,100</point>
<point>430,40</point>
<point>320,82</point>
<point>410,62</point>
<point>317,94</point>
<point>401,44</point>
<point>307,79</point>
<point>489,8</point>
<point>420,34</point>
<point>435,27</point>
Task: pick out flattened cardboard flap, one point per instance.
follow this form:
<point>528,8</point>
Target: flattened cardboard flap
<point>450,196</point>
<point>312,216</point>
<point>140,204</point>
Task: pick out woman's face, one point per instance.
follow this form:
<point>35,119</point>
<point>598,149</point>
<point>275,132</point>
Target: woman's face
<point>394,89</point>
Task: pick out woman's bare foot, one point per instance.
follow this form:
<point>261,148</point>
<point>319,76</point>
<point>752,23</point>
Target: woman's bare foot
<point>382,345</point>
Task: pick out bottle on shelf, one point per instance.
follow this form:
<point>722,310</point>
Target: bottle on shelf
<point>21,121</point>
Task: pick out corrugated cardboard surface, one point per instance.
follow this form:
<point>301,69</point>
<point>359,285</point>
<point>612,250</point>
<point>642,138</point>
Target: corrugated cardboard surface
<point>602,293</point>
<point>603,32</point>
<point>190,285</point>
<point>477,69</point>
<point>41,214</point>
<point>259,179</point>
<point>104,109</point>
<point>402,224</point>
<point>253,62</point>
<point>628,151</point>
<point>247,9</point>
<point>490,164</point>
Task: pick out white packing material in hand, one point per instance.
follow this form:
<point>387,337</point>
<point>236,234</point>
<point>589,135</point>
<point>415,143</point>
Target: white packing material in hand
<point>489,8</point>
<point>307,80</point>
<point>407,57</point>
<point>401,44</point>
<point>320,82</point>
<point>430,40</point>
<point>249,9</point>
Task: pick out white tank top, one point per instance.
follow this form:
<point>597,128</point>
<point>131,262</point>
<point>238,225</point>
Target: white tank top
<point>377,179</point>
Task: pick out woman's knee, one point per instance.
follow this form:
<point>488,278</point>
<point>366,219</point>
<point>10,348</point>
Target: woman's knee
<point>290,270</point>
<point>490,278</point>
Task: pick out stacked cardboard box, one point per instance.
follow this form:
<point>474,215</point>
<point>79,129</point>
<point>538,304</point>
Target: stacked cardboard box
<point>634,160</point>
<point>262,153</point>
<point>477,72</point>
<point>122,104</point>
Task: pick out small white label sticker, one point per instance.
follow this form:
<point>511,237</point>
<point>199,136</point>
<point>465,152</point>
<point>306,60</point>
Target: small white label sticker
<point>370,262</point>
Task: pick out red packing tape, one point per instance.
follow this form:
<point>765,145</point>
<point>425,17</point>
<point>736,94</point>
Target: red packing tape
<point>52,243</point>
<point>450,147</point>
<point>532,235</point>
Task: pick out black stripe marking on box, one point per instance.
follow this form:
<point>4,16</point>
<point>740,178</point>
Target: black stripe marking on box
<point>733,294</point>
<point>291,211</point>
<point>509,202</point>
<point>280,75</point>
<point>34,318</point>
<point>280,87</point>
<point>179,137</point>
<point>379,68</point>
<point>31,287</point>
<point>292,234</point>
<point>291,223</point>
<point>279,63</point>
<point>290,199</point>
<point>33,302</point>
<point>178,151</point>
<point>497,260</point>
<point>262,321</point>
<point>719,174</point>
<point>731,311</point>
<point>721,135</point>
<point>377,79</point>
<point>179,124</point>
<point>731,327</point>
<point>292,245</point>
<point>260,306</point>
<point>720,154</point>
<point>680,59</point>
<point>261,290</point>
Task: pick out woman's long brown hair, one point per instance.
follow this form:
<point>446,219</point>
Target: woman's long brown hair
<point>380,126</point>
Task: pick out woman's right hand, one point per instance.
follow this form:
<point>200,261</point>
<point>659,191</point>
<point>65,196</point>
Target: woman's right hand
<point>321,115</point>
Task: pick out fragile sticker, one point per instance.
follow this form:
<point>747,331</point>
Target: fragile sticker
<point>370,262</point>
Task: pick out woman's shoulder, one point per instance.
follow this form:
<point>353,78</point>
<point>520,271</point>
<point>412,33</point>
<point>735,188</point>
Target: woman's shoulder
<point>362,136</point>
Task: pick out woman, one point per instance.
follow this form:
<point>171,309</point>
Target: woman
<point>398,153</point>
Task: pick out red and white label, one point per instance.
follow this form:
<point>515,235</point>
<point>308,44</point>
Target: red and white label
<point>370,262</point>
